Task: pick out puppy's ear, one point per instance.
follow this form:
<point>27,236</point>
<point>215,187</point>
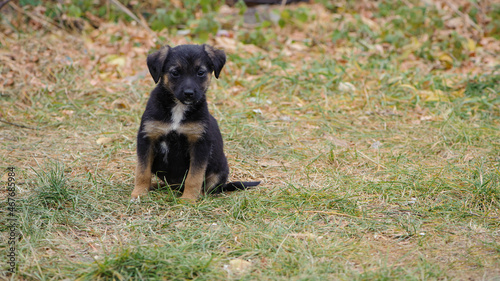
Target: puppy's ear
<point>218,58</point>
<point>156,61</point>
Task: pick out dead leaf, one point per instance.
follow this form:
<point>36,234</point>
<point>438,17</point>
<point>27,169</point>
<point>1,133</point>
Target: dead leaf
<point>298,47</point>
<point>471,45</point>
<point>120,104</point>
<point>346,87</point>
<point>68,112</point>
<point>446,60</point>
<point>228,43</point>
<point>271,163</point>
<point>436,95</point>
<point>239,266</point>
<point>103,140</point>
<point>116,60</point>
<point>337,142</point>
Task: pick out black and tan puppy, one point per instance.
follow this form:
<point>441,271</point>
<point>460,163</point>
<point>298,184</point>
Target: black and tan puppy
<point>179,140</point>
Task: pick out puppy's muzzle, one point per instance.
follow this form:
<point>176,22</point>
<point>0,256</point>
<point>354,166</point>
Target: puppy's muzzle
<point>188,94</point>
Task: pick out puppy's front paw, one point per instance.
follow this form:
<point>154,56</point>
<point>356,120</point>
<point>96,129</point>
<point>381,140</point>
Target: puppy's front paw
<point>138,192</point>
<point>136,200</point>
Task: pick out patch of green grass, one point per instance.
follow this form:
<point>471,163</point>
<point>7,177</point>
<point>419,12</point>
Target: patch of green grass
<point>50,189</point>
<point>147,264</point>
<point>484,188</point>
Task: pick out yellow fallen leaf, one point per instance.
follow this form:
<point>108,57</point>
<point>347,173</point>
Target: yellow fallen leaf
<point>105,76</point>
<point>408,86</point>
<point>372,24</point>
<point>471,45</point>
<point>116,60</point>
<point>446,60</point>
<point>120,104</point>
<point>103,140</point>
<point>436,95</point>
<point>459,93</point>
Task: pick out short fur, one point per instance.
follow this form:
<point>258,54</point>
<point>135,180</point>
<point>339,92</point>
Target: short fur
<point>178,139</point>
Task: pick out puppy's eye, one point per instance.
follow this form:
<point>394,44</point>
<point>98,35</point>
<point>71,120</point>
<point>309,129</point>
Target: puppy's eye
<point>175,73</point>
<point>201,73</point>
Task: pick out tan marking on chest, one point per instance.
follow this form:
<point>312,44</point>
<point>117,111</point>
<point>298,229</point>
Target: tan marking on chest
<point>193,130</point>
<point>156,129</point>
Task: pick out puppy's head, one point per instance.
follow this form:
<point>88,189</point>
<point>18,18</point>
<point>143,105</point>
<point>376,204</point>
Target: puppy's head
<point>185,70</point>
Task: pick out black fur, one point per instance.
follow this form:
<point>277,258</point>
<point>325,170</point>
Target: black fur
<point>233,186</point>
<point>182,75</point>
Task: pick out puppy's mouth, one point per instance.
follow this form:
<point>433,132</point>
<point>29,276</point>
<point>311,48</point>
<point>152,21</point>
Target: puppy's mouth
<point>187,102</point>
<point>187,97</point>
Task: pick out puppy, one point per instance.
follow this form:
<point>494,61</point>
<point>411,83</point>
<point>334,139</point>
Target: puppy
<point>179,140</point>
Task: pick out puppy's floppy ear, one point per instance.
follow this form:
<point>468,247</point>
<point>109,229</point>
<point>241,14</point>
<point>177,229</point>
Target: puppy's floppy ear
<point>156,61</point>
<point>218,58</point>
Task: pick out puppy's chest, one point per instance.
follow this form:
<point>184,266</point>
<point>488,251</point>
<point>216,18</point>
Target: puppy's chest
<point>177,124</point>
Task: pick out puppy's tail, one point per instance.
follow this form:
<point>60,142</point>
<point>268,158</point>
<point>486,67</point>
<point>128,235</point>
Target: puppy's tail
<point>233,186</point>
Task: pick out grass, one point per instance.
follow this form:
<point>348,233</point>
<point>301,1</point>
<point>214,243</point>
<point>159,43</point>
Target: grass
<point>376,138</point>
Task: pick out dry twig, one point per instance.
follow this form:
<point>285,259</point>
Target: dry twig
<point>34,17</point>
<point>133,16</point>
<point>17,125</point>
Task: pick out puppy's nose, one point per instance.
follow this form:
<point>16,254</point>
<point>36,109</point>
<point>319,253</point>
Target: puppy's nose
<point>188,93</point>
